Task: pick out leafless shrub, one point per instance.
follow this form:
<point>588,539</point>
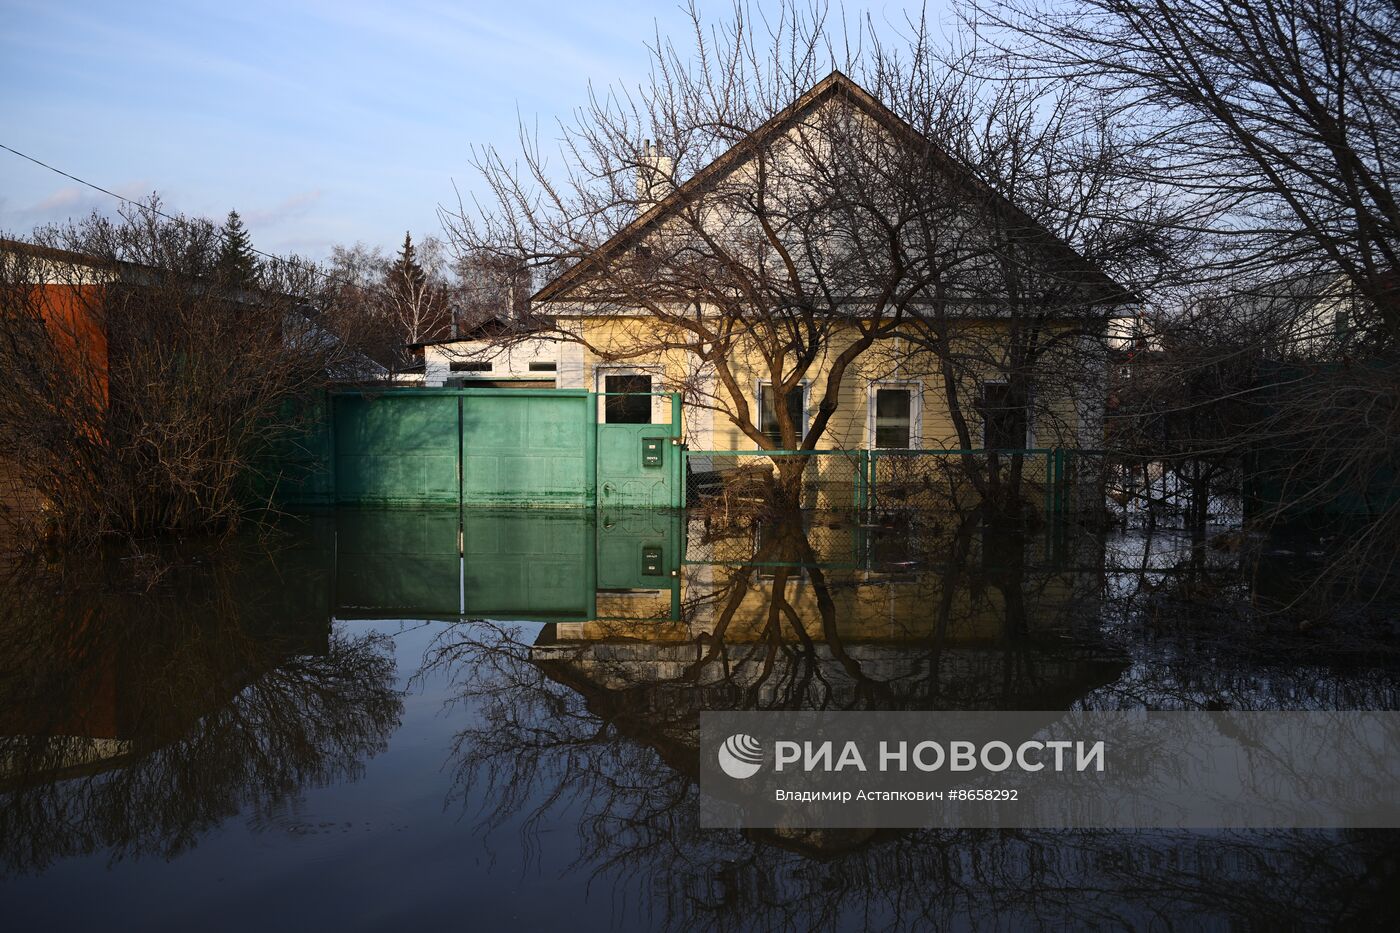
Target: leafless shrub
<point>143,393</point>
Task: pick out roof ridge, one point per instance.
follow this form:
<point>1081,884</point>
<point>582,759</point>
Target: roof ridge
<point>835,79</point>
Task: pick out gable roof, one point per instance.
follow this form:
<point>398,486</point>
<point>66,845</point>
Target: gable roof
<point>834,85</point>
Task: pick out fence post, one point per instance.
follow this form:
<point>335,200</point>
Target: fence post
<point>681,491</point>
<point>1059,479</point>
<point>860,478</point>
<point>1049,484</point>
<point>1064,479</point>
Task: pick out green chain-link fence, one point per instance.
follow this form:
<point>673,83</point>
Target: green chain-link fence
<point>1054,480</point>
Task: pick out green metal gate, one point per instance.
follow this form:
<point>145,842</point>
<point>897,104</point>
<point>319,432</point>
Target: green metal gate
<point>396,449</point>
<point>549,565</point>
<point>640,465</point>
<point>498,447</point>
<point>533,447</point>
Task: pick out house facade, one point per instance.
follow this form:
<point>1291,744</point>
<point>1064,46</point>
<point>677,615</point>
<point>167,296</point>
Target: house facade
<point>624,322</point>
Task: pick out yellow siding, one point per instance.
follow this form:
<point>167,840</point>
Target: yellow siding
<point>626,342</point>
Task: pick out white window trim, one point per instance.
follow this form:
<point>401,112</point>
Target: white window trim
<point>806,387</point>
<point>658,402</point>
<point>916,411</point>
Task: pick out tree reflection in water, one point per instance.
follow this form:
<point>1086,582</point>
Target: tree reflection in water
<point>139,710</point>
<point>601,718</point>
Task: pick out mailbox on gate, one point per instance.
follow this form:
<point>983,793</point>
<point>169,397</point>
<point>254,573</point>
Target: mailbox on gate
<point>651,561</point>
<point>651,451</point>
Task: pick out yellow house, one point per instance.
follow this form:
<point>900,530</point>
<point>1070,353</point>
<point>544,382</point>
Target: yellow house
<point>744,288</point>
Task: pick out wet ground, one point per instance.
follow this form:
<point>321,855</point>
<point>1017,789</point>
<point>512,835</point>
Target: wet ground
<point>377,720</point>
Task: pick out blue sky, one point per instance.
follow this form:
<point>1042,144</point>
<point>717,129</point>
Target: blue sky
<point>321,122</point>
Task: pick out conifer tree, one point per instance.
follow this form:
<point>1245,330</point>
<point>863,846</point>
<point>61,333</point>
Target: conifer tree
<point>236,263</point>
<point>418,302</point>
<point>406,274</point>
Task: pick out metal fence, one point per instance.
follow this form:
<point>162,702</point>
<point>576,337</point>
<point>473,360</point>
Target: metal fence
<point>1053,479</point>
<point>734,479</point>
<point>899,546</point>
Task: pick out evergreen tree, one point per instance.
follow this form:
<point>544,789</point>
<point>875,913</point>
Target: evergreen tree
<point>236,263</point>
<point>406,275</point>
<point>417,300</point>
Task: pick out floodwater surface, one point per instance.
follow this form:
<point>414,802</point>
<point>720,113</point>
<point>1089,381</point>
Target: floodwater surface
<point>373,720</point>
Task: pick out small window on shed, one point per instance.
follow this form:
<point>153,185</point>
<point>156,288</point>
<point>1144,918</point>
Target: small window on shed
<point>470,366</point>
<point>543,366</point>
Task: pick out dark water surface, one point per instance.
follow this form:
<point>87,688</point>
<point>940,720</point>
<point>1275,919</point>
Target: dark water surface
<point>357,723</point>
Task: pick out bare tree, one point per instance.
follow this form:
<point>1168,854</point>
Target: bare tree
<point>784,222</point>
<point>352,294</point>
<point>1281,120</point>
<point>1286,113</point>
<point>490,287</point>
<point>415,292</point>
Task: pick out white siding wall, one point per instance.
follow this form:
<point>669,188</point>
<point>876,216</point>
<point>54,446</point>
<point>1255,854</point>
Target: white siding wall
<point>511,361</point>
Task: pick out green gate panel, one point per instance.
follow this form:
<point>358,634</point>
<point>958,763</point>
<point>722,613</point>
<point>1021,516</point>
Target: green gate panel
<point>522,448</point>
<point>624,536</point>
<point>624,478</point>
<point>402,561</point>
<point>496,448</point>
<point>528,564</point>
<point>396,449</point>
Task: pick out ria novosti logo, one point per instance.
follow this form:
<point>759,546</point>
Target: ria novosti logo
<point>741,756</point>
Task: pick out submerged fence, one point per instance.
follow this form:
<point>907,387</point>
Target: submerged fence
<point>1054,479</point>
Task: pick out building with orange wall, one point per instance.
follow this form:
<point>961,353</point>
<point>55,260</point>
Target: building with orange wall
<point>63,291</point>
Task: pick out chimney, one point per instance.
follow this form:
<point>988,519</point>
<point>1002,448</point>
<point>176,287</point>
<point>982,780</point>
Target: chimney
<point>654,175</point>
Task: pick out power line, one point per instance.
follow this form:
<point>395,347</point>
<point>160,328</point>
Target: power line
<point>147,207</point>
<point>308,266</point>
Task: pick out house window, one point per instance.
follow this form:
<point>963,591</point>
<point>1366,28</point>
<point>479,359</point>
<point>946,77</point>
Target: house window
<point>768,415</point>
<point>894,417</point>
<point>1004,421</point>
<point>470,366</point>
<point>547,366</point>
<point>622,404</point>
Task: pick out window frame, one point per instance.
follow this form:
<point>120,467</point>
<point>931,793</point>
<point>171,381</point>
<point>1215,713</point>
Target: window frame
<point>916,412</point>
<point>805,387</point>
<point>1028,441</point>
<point>600,384</point>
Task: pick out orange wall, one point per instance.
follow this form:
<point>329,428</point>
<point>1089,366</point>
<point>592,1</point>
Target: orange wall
<point>71,313</point>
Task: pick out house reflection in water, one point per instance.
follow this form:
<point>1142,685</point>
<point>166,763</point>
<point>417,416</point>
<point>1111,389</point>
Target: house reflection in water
<point>816,611</point>
<point>591,724</point>
<point>808,610</point>
<point>650,618</point>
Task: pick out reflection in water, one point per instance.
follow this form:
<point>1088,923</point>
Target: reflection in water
<point>139,710</point>
<point>814,612</point>
<point>136,714</point>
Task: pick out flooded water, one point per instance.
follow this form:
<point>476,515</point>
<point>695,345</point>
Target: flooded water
<point>374,720</point>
